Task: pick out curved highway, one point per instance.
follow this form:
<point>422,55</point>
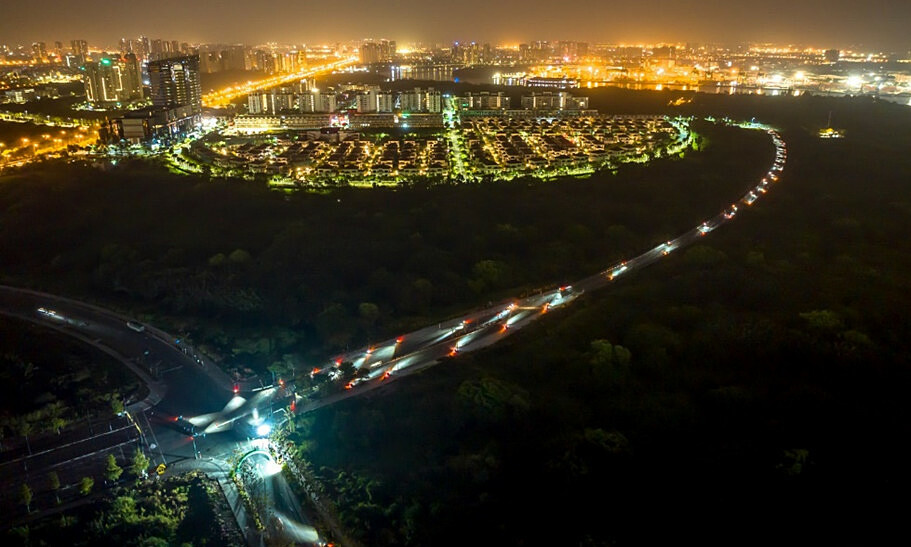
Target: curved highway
<point>379,364</point>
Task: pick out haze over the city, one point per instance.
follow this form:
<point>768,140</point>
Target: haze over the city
<point>880,24</point>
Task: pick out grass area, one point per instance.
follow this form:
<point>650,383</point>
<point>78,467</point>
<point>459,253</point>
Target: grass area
<point>187,509</point>
<point>12,133</point>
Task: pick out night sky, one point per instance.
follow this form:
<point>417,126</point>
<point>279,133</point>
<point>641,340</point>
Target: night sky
<point>873,24</point>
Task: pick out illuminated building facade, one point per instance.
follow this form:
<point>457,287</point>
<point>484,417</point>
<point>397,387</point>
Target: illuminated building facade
<point>317,102</point>
<point>112,80</point>
<point>382,51</point>
<point>80,52</point>
<point>39,51</point>
<point>554,101</point>
<point>421,100</point>
<point>176,100</point>
<point>175,82</point>
<point>484,100</point>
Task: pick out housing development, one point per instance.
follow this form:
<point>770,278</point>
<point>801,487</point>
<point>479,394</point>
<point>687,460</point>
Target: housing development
<point>499,146</point>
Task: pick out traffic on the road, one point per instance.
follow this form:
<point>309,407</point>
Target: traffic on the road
<point>382,362</point>
<point>187,404</point>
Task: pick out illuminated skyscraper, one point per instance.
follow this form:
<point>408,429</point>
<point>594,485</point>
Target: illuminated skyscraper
<point>39,51</point>
<point>175,82</point>
<point>385,101</point>
<point>377,52</point>
<point>314,101</point>
<point>80,48</point>
<point>367,101</point>
<point>420,100</point>
<point>112,80</point>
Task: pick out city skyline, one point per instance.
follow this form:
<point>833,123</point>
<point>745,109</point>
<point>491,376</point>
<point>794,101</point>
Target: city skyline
<point>834,23</point>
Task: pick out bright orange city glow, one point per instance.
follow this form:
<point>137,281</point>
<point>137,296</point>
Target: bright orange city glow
<point>222,98</point>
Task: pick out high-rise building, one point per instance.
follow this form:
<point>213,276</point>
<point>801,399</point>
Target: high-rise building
<point>209,62</point>
<point>484,100</point>
<point>273,102</point>
<point>664,53</point>
<point>382,51</point>
<point>175,82</point>
<point>554,101</point>
<point>466,53</point>
<point>385,101</point>
<point>234,58</point>
<point>366,101</point>
<point>420,100</point>
<point>569,49</point>
<point>327,102</point>
<point>39,51</point>
<point>145,46</point>
<point>315,101</point>
<point>112,80</point>
<point>80,48</point>
<point>157,49</point>
<point>433,101</point>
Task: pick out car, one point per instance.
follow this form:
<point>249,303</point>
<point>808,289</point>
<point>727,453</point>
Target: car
<point>186,426</point>
<point>666,248</point>
<point>704,228</point>
<point>47,312</point>
<point>617,271</point>
<point>138,327</point>
<point>356,381</point>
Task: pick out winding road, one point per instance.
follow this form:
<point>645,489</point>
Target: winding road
<point>182,383</point>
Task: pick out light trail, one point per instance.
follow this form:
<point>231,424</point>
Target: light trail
<point>222,98</point>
